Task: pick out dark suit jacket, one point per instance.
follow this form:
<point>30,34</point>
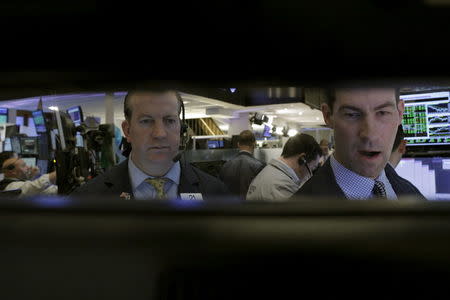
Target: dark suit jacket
<point>323,183</point>
<point>238,173</point>
<point>117,181</point>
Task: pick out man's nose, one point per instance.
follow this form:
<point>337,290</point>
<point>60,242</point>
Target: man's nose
<point>159,129</point>
<point>368,128</point>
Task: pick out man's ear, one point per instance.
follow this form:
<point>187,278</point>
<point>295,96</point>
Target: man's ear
<point>126,130</point>
<point>402,147</point>
<point>401,109</point>
<point>326,112</point>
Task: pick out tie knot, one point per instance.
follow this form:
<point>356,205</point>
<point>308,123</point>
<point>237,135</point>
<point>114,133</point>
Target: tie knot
<point>378,189</point>
<point>158,185</point>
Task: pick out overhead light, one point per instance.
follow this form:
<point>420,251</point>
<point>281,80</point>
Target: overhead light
<point>300,113</point>
<point>224,127</point>
<point>292,132</point>
<point>232,90</point>
<point>54,108</point>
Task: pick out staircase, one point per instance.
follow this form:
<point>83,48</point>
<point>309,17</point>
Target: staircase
<point>204,126</point>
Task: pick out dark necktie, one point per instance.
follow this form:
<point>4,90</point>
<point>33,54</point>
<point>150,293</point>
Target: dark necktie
<point>378,190</point>
<point>158,184</point>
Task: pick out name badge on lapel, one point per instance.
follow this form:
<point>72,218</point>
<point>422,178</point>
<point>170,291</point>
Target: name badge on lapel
<point>126,196</point>
<point>191,196</point>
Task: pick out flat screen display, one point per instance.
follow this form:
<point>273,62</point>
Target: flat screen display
<point>426,119</point>
<point>7,145</point>
<point>266,132</point>
<point>215,144</point>
<point>431,175</point>
<point>29,145</point>
<point>15,144</point>
<point>76,114</point>
<point>39,121</point>
<point>3,115</point>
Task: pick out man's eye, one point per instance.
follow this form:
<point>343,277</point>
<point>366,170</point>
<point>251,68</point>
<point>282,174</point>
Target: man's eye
<point>384,113</point>
<point>145,121</point>
<point>352,115</point>
<point>171,121</point>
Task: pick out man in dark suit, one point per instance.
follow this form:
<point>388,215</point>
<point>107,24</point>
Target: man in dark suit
<point>365,122</point>
<point>239,172</point>
<point>154,170</point>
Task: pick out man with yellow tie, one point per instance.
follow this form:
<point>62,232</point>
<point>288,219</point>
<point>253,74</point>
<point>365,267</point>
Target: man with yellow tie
<point>155,168</point>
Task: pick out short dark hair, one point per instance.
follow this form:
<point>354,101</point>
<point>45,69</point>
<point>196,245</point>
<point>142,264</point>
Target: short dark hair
<point>330,95</point>
<point>126,103</point>
<point>247,138</point>
<point>302,143</point>
<point>398,137</point>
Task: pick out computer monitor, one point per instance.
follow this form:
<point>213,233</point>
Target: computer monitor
<point>426,119</point>
<point>431,175</point>
<point>3,115</point>
<point>214,144</point>
<point>30,161</point>
<point>15,144</point>
<point>29,145</point>
<point>76,114</point>
<point>39,121</point>
<point>7,145</point>
<point>12,130</point>
<point>266,132</point>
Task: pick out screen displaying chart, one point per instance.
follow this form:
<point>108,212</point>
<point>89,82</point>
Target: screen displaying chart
<point>426,118</point>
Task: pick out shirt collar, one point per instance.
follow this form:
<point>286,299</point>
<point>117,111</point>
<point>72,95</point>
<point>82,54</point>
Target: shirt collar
<point>137,176</point>
<point>352,184</point>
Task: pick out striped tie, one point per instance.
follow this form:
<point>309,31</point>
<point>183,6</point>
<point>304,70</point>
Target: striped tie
<point>158,184</point>
<point>378,190</point>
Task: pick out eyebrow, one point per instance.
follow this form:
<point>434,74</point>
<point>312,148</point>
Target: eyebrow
<point>165,116</point>
<point>384,105</point>
<point>350,107</point>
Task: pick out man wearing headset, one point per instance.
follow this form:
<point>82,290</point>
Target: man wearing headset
<point>283,176</point>
<point>154,170</point>
<point>19,176</point>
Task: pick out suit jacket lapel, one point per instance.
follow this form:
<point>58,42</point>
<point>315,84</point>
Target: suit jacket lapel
<point>118,180</point>
<point>189,182</point>
<point>327,180</point>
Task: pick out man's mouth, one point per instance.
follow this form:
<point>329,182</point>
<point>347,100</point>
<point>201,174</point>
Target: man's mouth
<point>159,148</point>
<point>370,154</point>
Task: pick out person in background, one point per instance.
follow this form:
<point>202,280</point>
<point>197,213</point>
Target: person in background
<point>365,122</point>
<point>326,152</point>
<point>154,168</point>
<point>399,148</point>
<point>238,173</point>
<point>20,176</point>
<point>283,176</point>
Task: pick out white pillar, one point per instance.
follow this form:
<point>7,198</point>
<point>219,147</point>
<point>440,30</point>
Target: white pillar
<point>109,108</point>
<point>12,113</point>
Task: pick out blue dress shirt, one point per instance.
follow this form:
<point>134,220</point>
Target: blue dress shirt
<point>357,187</point>
<point>143,190</point>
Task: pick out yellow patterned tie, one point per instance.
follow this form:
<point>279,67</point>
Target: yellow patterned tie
<point>158,184</point>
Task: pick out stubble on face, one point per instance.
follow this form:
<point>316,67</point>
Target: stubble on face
<point>154,131</point>
<point>364,122</point>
